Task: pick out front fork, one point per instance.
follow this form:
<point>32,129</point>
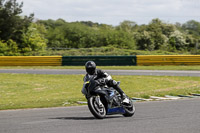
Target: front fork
<point>98,100</point>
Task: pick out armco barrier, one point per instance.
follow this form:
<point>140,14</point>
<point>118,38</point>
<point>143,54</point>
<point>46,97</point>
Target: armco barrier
<point>150,60</point>
<point>99,60</point>
<point>145,60</point>
<point>30,60</point>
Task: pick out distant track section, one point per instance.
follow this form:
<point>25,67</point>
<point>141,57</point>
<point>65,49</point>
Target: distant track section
<point>112,72</point>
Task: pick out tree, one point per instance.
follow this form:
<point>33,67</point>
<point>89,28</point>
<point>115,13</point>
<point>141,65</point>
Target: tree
<point>127,26</point>
<point>33,40</point>
<point>160,32</point>
<point>3,48</point>
<point>193,27</point>
<point>8,48</point>
<point>144,41</point>
<point>12,25</point>
<point>177,40</point>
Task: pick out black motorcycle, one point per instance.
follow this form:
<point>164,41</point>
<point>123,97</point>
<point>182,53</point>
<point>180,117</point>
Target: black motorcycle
<point>103,100</point>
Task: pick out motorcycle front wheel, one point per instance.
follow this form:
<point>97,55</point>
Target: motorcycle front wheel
<point>129,109</point>
<point>96,107</point>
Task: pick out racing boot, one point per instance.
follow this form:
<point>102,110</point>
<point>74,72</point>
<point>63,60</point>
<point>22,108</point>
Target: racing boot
<point>125,99</point>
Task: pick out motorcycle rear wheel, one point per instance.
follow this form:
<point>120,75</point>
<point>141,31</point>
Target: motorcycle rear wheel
<point>98,110</point>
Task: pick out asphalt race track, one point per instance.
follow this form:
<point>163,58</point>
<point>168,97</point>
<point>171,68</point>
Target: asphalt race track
<point>174,116</point>
<point>112,72</point>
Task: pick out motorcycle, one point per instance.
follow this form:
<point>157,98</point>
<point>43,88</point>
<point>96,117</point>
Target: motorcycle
<point>103,100</point>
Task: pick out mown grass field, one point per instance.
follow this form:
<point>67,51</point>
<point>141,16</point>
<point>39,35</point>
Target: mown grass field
<point>37,91</point>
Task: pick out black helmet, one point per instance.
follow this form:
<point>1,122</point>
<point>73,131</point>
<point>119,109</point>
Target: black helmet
<point>90,67</point>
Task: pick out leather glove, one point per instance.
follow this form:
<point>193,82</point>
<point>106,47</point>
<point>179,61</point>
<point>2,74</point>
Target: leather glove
<point>102,81</point>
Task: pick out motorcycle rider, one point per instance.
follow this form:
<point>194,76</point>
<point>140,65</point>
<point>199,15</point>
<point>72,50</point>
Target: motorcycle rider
<point>101,77</point>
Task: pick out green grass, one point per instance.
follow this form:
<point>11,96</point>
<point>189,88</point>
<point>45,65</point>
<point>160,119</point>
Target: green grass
<point>108,67</point>
<point>37,91</point>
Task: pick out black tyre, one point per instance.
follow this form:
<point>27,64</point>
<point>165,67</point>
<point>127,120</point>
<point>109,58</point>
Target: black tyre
<point>96,107</point>
<point>129,109</point>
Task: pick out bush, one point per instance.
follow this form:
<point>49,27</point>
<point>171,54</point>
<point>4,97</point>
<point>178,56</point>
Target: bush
<point>8,48</point>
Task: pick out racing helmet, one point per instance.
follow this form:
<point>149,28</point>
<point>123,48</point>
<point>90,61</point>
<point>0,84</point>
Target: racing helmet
<point>90,67</point>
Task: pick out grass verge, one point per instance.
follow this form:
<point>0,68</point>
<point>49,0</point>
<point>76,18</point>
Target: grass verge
<point>19,91</point>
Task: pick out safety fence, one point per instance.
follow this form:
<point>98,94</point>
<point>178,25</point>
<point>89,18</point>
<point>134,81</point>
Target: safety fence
<point>150,60</point>
<point>30,60</point>
<point>140,60</point>
<point>99,60</point>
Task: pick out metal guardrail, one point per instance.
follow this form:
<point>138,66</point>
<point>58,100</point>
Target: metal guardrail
<point>30,60</point>
<point>153,60</point>
<point>140,60</point>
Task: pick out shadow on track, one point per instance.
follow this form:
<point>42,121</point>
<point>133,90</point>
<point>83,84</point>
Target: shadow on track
<point>83,118</point>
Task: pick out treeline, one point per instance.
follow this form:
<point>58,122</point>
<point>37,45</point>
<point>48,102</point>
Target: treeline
<point>22,35</point>
<point>157,35</point>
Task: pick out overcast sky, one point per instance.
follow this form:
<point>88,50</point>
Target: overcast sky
<point>114,11</point>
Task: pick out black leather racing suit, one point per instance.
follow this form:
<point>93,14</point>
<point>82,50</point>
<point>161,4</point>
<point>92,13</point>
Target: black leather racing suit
<point>101,77</point>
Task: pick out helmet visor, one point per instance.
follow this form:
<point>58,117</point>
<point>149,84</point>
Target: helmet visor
<point>90,71</point>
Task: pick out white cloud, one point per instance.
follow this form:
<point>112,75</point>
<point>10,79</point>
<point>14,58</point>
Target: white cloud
<point>114,11</point>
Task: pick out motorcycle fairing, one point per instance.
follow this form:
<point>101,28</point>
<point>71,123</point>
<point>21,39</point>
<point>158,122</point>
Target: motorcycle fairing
<point>117,110</point>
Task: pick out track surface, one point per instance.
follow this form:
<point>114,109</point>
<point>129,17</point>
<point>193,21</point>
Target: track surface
<point>112,72</point>
<point>177,116</point>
